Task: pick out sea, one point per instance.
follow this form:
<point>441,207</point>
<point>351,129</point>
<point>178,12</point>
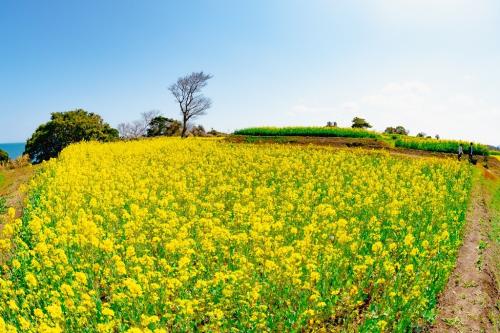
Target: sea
<point>13,149</point>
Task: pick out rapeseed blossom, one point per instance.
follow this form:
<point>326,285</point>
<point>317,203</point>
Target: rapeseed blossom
<point>201,235</point>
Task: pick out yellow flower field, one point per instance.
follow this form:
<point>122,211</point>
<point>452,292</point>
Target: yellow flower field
<point>200,235</point>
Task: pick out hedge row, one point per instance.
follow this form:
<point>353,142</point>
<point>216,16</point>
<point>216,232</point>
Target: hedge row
<point>308,131</point>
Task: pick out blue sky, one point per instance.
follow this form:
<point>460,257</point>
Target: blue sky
<point>429,65</point>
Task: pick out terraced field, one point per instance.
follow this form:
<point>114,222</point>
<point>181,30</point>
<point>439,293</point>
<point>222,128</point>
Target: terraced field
<point>201,235</point>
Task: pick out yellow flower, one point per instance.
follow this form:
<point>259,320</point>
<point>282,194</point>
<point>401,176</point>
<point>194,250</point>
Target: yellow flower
<point>39,313</point>
<point>108,312</point>
<point>135,330</point>
<point>25,325</point>
<point>377,246</point>
<point>31,280</point>
<point>147,320</point>
<point>11,213</point>
<point>81,278</point>
<point>315,276</point>
<point>134,289</point>
<point>55,311</point>
<point>67,290</point>
<point>13,305</point>
<point>16,264</point>
<point>409,239</point>
<point>193,228</point>
<point>382,324</point>
<point>120,267</point>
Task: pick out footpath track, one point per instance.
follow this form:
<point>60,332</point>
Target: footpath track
<point>11,187</point>
<point>469,302</point>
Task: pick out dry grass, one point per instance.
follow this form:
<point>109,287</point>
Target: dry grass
<point>11,186</point>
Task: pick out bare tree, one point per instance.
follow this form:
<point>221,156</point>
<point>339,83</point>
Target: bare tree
<point>146,118</point>
<point>187,92</point>
<point>123,130</point>
<point>137,128</point>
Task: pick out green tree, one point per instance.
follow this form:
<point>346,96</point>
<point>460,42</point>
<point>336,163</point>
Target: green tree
<point>161,126</point>
<point>397,130</point>
<point>198,131</point>
<point>4,157</point>
<point>65,128</point>
<point>360,123</point>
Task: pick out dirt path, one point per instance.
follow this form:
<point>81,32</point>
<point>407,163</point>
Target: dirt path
<point>470,301</point>
<point>10,189</point>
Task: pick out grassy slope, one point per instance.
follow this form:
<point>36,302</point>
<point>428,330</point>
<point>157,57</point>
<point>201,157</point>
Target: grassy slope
<point>3,202</point>
<point>10,184</point>
<point>308,131</point>
<point>445,146</point>
<point>494,234</point>
<point>392,140</point>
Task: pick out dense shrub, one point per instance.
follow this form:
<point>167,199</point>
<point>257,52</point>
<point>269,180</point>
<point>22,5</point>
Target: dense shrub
<point>4,156</point>
<point>162,126</point>
<point>360,123</point>
<point>3,205</point>
<point>65,128</point>
<point>397,130</point>
<point>18,162</point>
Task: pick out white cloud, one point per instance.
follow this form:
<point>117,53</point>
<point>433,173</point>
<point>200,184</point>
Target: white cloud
<point>350,107</point>
<point>409,87</point>
<point>308,109</point>
<point>432,11</point>
<point>418,106</point>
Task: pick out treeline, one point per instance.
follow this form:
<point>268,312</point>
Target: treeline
<point>4,156</point>
<point>68,127</point>
<point>65,128</point>
<point>153,123</point>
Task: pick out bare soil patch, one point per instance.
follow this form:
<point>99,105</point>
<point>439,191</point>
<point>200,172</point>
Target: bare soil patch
<point>341,142</point>
<point>311,140</point>
<point>469,302</point>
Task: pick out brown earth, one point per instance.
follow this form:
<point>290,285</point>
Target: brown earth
<point>365,143</point>
<point>471,298</point>
<point>310,140</point>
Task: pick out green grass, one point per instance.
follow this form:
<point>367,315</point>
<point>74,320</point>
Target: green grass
<point>308,131</point>
<point>494,235</point>
<point>443,146</point>
<point>3,205</point>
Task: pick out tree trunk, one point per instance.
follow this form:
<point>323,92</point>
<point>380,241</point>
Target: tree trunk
<point>184,128</point>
